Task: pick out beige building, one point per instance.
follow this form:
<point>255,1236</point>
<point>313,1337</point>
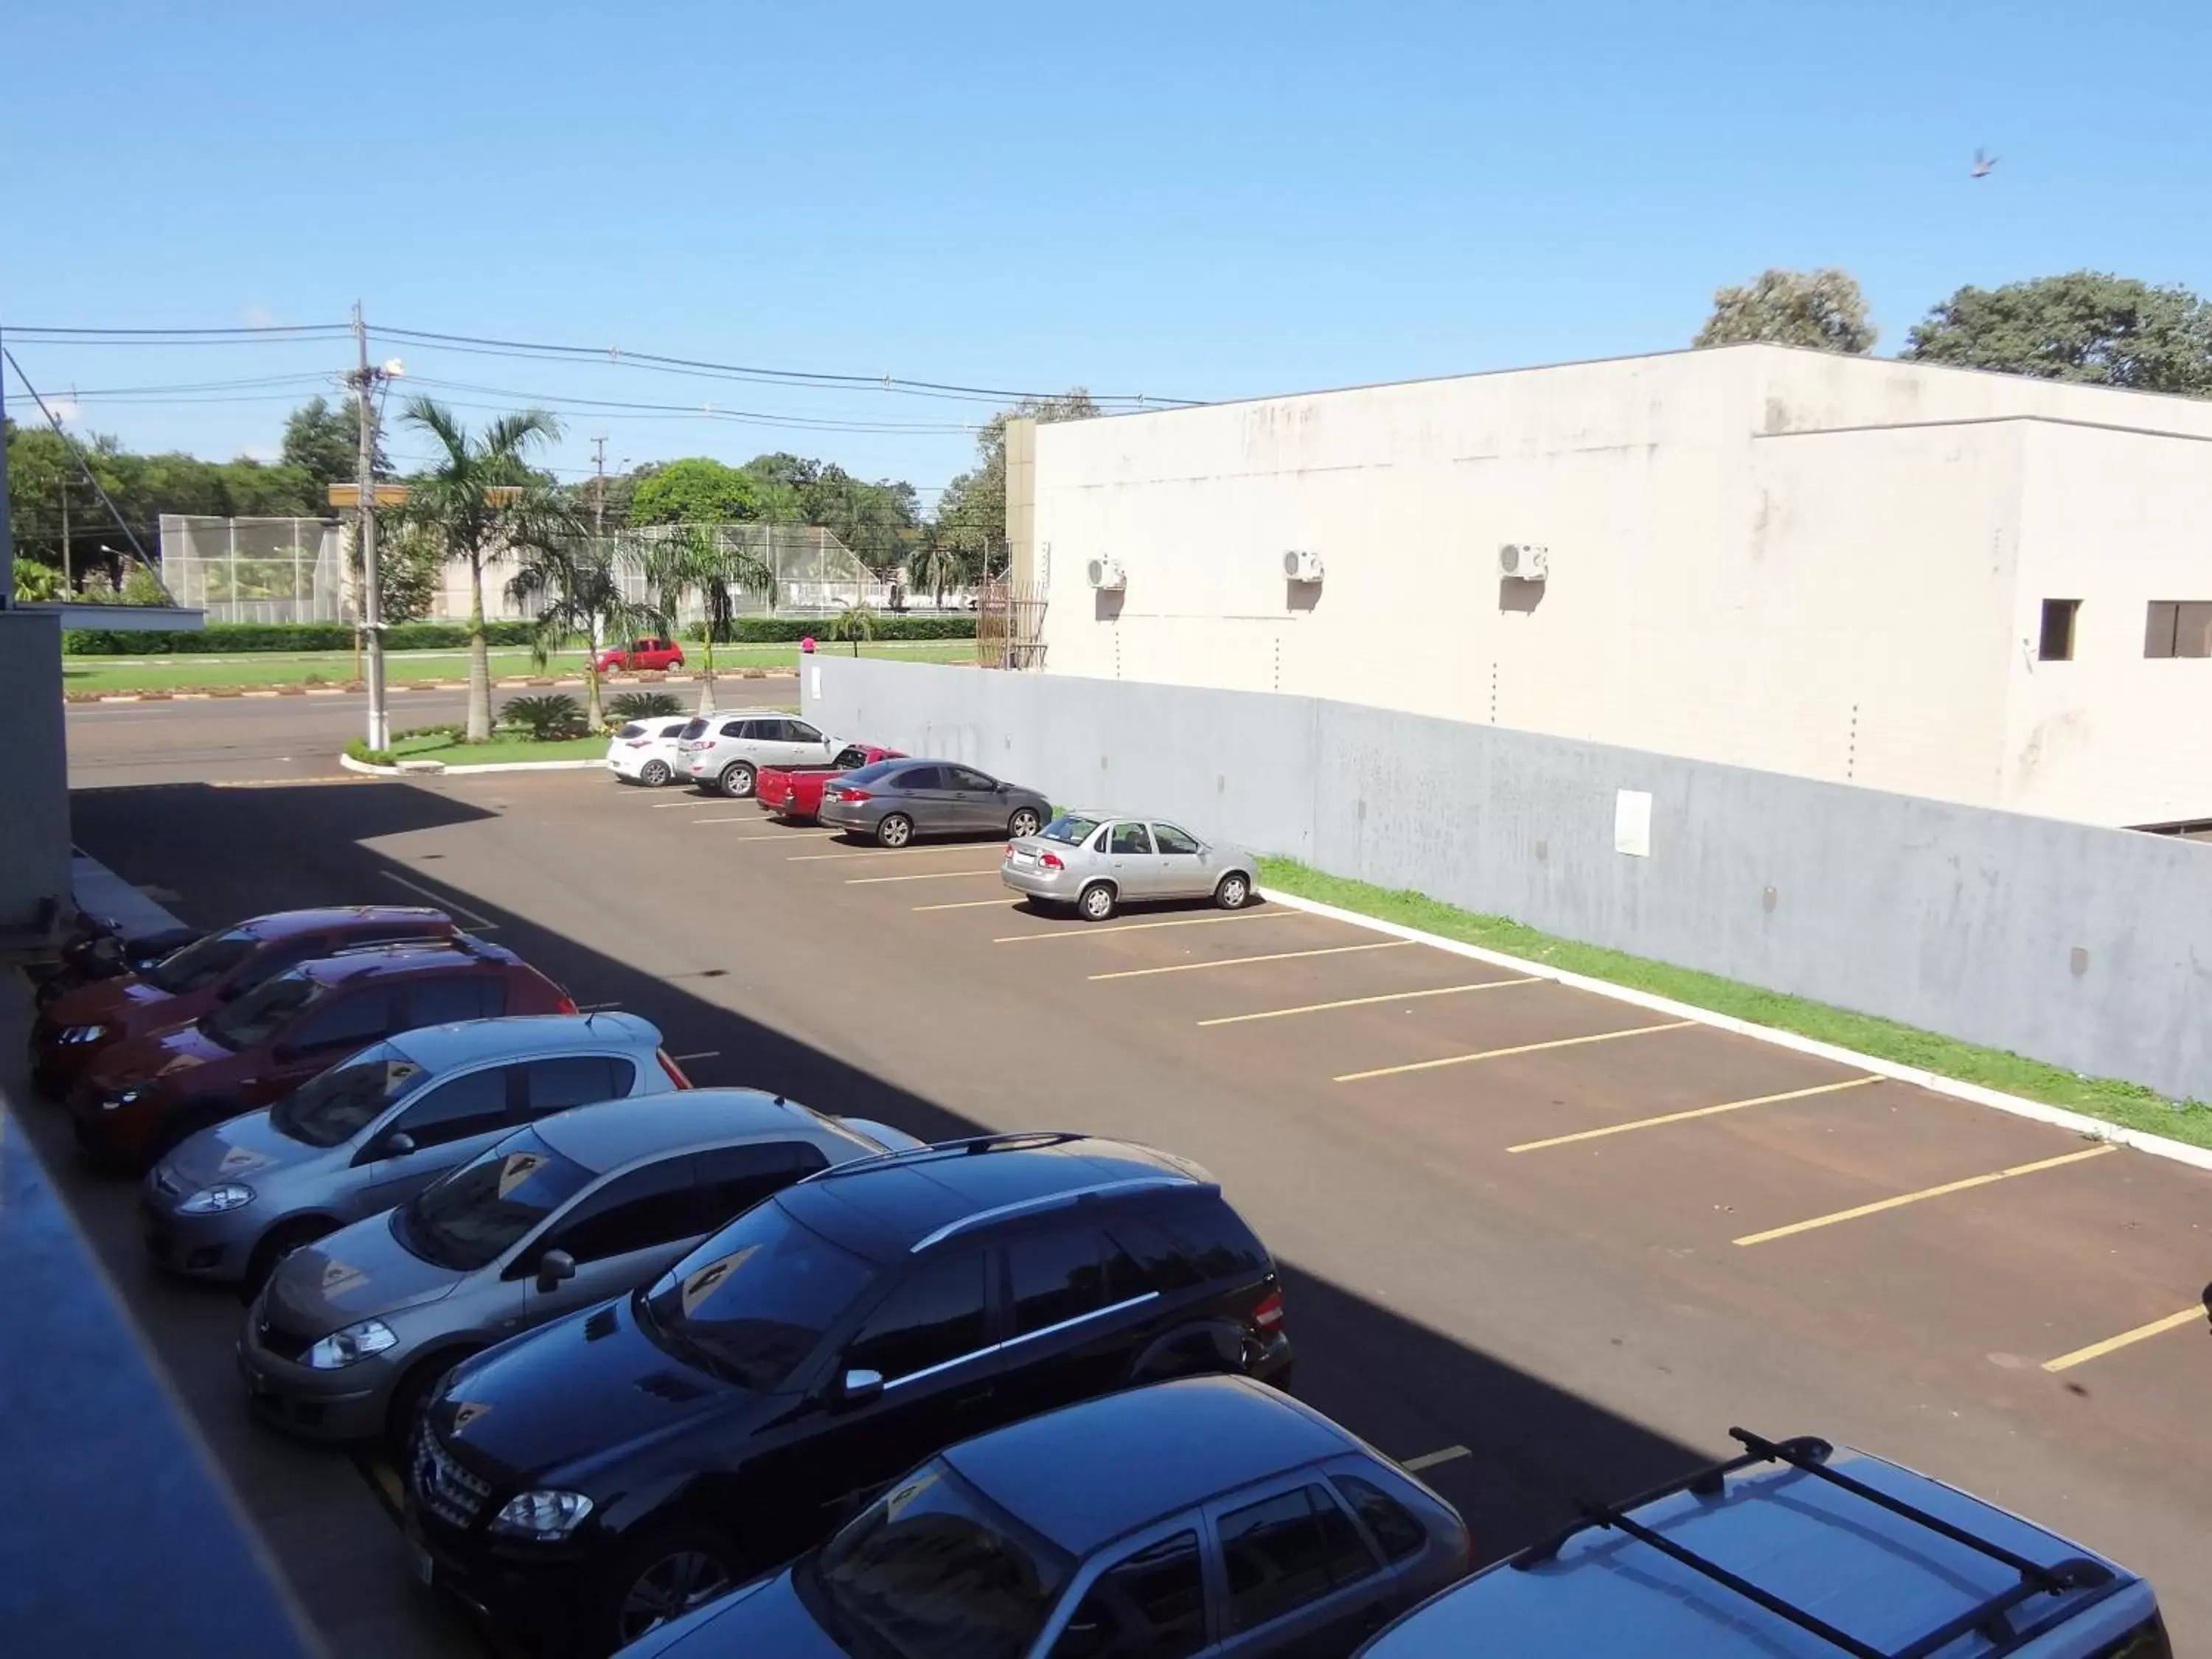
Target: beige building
<point>1975,586</point>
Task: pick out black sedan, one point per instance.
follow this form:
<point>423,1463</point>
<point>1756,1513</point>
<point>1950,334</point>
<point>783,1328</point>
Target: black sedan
<point>894,801</point>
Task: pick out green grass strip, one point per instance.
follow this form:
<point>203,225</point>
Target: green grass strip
<point>2129,1104</point>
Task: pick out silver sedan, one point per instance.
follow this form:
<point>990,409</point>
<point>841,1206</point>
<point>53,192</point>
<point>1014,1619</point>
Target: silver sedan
<point>1097,862</point>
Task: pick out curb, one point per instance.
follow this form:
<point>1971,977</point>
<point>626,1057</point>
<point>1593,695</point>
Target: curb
<point>439,768</point>
<point>2094,1128</point>
<point>627,682</point>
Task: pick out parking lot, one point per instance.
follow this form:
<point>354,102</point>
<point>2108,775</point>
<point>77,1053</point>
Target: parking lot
<point>1547,1244</point>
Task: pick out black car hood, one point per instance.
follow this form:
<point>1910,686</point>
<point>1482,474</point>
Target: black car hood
<point>583,1393</point>
<point>766,1618</point>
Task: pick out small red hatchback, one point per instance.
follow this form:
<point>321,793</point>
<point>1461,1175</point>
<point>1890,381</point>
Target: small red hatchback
<point>642,657</point>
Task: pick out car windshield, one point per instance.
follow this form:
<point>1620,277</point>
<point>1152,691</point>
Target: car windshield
<point>693,729</point>
<point>870,772</point>
<point>468,1217</point>
<point>201,962</point>
<point>334,1106</point>
<point>753,1300</point>
<point>933,1569</point>
<point>1069,828</point>
<point>261,1013</point>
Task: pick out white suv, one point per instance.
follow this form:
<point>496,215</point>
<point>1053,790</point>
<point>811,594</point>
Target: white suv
<point>726,753</point>
<point>644,751</point>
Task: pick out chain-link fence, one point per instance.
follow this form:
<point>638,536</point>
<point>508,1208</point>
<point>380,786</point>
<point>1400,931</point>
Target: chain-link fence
<point>260,570</point>
<point>810,570</point>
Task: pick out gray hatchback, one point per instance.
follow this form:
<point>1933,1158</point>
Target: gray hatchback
<point>895,800</point>
<point>376,1128</point>
<point>351,1331</point>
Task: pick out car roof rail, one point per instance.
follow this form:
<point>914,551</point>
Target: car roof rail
<point>1072,1196</point>
<point>1810,1455</point>
<point>965,1146</point>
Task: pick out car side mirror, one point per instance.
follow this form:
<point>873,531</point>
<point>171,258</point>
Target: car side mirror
<point>1006,788</point>
<point>399,1144</point>
<point>857,1388</point>
<point>555,1269</point>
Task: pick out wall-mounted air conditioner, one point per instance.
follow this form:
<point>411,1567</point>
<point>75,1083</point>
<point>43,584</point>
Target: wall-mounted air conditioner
<point>1107,576</point>
<point>1299,566</point>
<point>1524,561</point>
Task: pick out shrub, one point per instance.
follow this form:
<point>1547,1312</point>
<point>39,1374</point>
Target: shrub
<point>359,749</point>
<point>789,630</point>
<point>544,719</point>
<point>452,730</point>
<point>642,706</point>
<point>233,638</point>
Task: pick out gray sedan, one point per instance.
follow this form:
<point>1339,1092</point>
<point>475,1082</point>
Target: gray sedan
<point>895,800</point>
<point>376,1128</point>
<point>352,1330</point>
<point>1095,861</point>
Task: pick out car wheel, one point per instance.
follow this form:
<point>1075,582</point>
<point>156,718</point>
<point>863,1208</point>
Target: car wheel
<point>409,1396</point>
<point>666,1574</point>
<point>736,780</point>
<point>655,774</point>
<point>1234,892</point>
<point>895,830</point>
<point>1097,902</point>
<point>275,1244</point>
<point>1023,823</point>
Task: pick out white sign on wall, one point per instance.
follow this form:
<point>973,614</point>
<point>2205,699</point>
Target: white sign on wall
<point>1632,822</point>
<point>815,670</point>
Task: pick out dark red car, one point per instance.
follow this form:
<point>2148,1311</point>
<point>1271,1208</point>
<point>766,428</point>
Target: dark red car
<point>641,656</point>
<point>76,1028</point>
<point>793,793</point>
<point>140,1098</point>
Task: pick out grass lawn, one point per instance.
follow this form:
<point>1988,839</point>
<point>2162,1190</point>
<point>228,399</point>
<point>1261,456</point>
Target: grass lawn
<point>250,669</point>
<point>2115,1101</point>
<point>499,751</point>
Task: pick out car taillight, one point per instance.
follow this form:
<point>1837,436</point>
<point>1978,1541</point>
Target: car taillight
<point>852,794</point>
<point>1269,1314</point>
<point>634,743</point>
<point>1051,861</point>
<point>566,1006</point>
<point>675,1073</point>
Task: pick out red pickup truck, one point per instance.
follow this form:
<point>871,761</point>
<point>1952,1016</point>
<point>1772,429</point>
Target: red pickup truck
<point>793,793</point>
<point>642,657</point>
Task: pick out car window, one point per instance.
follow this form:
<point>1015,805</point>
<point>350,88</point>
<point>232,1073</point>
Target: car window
<point>473,1104</point>
<point>1172,839</point>
<point>1098,841</point>
<point>935,1316</point>
<point>1284,1552</point>
<point>201,962</point>
<point>344,1021</point>
<point>467,1219</point>
<point>553,1086</point>
<point>1164,1262</point>
<point>871,771</point>
<point>693,729</point>
<point>444,998</point>
<point>275,959</point>
<point>1068,828</point>
<point>261,1013</point>
<point>1392,1523</point>
<point>961,777</point>
<point>800,732</point>
<point>737,729</point>
<point>2146,1641</point>
<point>1132,838</point>
<point>633,1212</point>
<point>632,730</point>
<point>730,1180</point>
<point>1057,1276</point>
<point>851,757</point>
<point>1191,1244</point>
<point>676,729</point>
<point>917,777</point>
<point>777,731</point>
<point>1150,1606</point>
<point>753,1300</point>
<point>334,1105</point>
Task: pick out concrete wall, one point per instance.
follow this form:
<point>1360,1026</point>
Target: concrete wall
<point>34,826</point>
<point>2079,946</point>
<point>1771,558</point>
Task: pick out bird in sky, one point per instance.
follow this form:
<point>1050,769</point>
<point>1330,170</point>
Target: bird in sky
<point>1983,165</point>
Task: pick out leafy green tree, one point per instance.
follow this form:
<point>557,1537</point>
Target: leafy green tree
<point>481,497</point>
<point>409,563</point>
<point>696,491</point>
<point>572,585</point>
<point>694,561</point>
<point>2084,326</point>
<point>323,441</point>
<point>935,565</point>
<point>37,583</point>
<point>854,622</point>
<point>1822,309</point>
<point>971,513</point>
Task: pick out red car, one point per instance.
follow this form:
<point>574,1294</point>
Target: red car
<point>793,793</point>
<point>642,657</point>
<point>77,1027</point>
<point>141,1097</point>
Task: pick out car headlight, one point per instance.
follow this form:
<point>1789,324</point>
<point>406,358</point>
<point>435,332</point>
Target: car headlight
<point>122,1097</point>
<point>215,1201</point>
<point>542,1515</point>
<point>356,1342</point>
<point>79,1034</point>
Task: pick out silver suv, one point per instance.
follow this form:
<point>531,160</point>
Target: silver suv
<point>351,1331</point>
<point>726,753</point>
<point>376,1128</point>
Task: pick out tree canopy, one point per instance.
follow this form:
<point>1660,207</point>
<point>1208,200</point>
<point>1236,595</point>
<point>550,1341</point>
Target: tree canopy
<point>323,441</point>
<point>1822,309</point>
<point>2083,326</point>
<point>696,490</point>
<point>971,513</point>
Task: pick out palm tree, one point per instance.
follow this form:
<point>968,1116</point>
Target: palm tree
<point>694,559</point>
<point>936,565</point>
<point>854,622</point>
<point>572,585</point>
<point>478,500</point>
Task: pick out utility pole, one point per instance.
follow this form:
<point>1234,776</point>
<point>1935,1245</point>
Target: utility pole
<point>599,489</point>
<point>68,578</point>
<point>364,381</point>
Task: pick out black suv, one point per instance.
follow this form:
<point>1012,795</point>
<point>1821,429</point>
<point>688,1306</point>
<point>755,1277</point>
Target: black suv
<point>592,1479</point>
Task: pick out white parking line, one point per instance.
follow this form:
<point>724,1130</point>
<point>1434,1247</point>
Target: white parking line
<point>596,1007</point>
<point>1362,1002</point>
<point>704,1054</point>
<point>1430,1460</point>
<point>1517,1048</point>
<point>927,875</point>
<point>469,917</point>
<point>887,851</point>
<point>703,800</point>
<point>970,904</point>
<point>1238,962</point>
<point>1096,931</point>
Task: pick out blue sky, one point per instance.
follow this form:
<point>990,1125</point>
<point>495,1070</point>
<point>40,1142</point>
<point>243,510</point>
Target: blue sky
<point>1195,201</point>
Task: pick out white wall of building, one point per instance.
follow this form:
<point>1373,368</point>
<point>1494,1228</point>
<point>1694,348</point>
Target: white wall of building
<point>1785,560</point>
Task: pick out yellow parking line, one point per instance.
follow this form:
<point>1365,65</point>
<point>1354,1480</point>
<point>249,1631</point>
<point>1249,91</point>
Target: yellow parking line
<point>967,904</point>
<point>387,1477</point>
<point>1517,1048</point>
<point>1238,962</point>
<point>1695,1111</point>
<point>2098,1350</point>
<point>889,852</point>
<point>1361,1002</point>
<point>1132,927</point>
<point>1876,1208</point>
<point>927,875</point>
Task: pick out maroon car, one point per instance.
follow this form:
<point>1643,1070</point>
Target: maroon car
<point>76,1028</point>
<point>142,1097</point>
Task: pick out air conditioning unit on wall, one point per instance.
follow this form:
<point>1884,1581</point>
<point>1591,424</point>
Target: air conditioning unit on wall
<point>1299,566</point>
<point>1524,561</point>
<point>1107,576</point>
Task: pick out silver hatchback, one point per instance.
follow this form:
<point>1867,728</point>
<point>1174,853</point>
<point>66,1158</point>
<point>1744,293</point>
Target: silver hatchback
<point>351,1331</point>
<point>1095,861</point>
<point>376,1128</point>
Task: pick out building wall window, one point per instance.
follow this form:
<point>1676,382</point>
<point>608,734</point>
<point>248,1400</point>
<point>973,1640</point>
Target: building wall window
<point>2058,630</point>
<point>2179,627</point>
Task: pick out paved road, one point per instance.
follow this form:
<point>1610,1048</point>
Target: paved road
<point>1549,1237</point>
